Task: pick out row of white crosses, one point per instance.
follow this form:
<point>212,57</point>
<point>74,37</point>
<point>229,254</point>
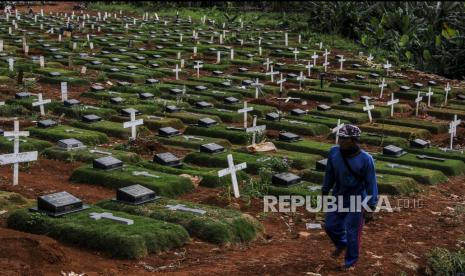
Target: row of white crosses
<point>453,129</point>
<point>16,157</point>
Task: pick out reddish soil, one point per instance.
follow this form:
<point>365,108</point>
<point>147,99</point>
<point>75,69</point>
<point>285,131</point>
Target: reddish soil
<point>394,243</point>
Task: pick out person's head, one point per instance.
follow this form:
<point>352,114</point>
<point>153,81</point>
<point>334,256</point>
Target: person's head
<point>349,137</point>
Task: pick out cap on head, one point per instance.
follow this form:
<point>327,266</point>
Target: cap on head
<point>350,131</point>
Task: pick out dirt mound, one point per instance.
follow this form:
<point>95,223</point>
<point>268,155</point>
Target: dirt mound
<point>26,254</point>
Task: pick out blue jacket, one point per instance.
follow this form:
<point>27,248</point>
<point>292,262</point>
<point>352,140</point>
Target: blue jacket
<point>341,180</point>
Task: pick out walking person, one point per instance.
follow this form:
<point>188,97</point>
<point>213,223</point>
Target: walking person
<point>350,172</point>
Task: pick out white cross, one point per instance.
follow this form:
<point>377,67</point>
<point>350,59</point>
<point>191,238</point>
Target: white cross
<point>64,91</point>
<point>314,57</point>
<point>453,129</point>
<point>232,169</point>
<point>285,39</point>
<point>337,128</point>
<point>257,86</point>
<point>326,54</point>
<point>40,102</point>
<point>218,56</point>
<point>368,109</point>
<point>194,51</point>
<point>133,124</point>
<point>429,94</point>
<point>417,101</point>
<point>341,61</point>
<point>198,66</point>
<point>382,85</point>
<point>182,207</point>
<point>267,63</point>
<point>271,73</point>
<point>387,66</point>
<point>369,58</point>
<point>245,110</point>
<point>255,129</point>
<point>16,157</point>
<point>309,68</point>
<point>231,54</point>
<point>295,52</point>
<point>42,61</point>
<point>177,70</point>
<point>446,89</point>
<point>391,103</point>
<point>110,216</point>
<point>301,78</point>
<point>11,64</point>
<point>280,82</point>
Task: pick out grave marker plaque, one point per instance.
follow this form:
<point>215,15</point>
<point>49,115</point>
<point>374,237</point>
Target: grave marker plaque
<point>59,204</point>
<point>211,148</point>
<point>168,132</point>
<point>288,137</point>
<point>392,150</point>
<point>285,179</point>
<point>91,118</point>
<point>107,163</point>
<point>70,144</point>
<point>321,164</point>
<point>135,195</point>
<point>206,122</point>
<point>167,159</point>
<point>71,102</point>
<point>420,143</point>
<point>46,123</point>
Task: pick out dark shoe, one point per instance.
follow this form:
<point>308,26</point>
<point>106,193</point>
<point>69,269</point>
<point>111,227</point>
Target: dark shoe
<point>337,252</point>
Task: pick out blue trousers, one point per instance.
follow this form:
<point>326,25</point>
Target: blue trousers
<point>345,230</point>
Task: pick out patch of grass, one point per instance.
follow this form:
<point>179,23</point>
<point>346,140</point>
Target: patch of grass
<point>181,141</point>
<point>445,262</point>
<point>110,128</point>
<point>421,175</point>
<point>234,136</point>
<point>60,132</point>
<point>219,226</point>
<point>11,201</point>
<point>25,144</point>
<point>86,156</point>
<point>165,184</point>
<point>396,130</point>
<point>115,239</point>
<point>309,129</point>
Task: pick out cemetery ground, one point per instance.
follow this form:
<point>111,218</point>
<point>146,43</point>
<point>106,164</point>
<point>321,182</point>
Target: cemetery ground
<point>233,235</point>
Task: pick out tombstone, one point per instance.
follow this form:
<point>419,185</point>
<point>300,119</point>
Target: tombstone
<point>168,132</point>
<point>230,100</point>
<point>272,116</point>
<point>175,91</point>
<point>97,88</point>
<point>206,122</point>
<point>146,96</point>
<point>128,111</point>
<point>323,107</point>
<point>116,100</point>
<point>203,104</point>
<point>167,159</point>
<point>298,112</point>
<point>211,148</point>
<point>152,81</point>
<point>46,123</point>
<point>394,151</point>
<point>321,165</point>
<point>200,88</point>
<point>59,204</point>
<point>418,85</point>
<point>135,195</point>
<point>289,137</point>
<point>91,118</point>
<point>172,108</point>
<point>404,88</point>
<point>107,163</point>
<point>420,143</point>
<point>347,101</point>
<point>285,179</point>
<point>231,170</point>
<point>70,144</point>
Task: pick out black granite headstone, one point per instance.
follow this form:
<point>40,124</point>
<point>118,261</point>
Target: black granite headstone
<point>146,96</point>
<point>168,132</point>
<point>288,137</point>
<point>116,100</point>
<point>404,88</point>
<point>46,123</point>
<point>323,107</point>
<point>392,150</point>
<point>172,108</point>
<point>203,104</point>
<point>211,148</point>
<point>107,163</point>
<point>420,143</point>
<point>272,116</point>
<point>128,111</point>
<point>22,95</point>
<point>298,112</point>
<point>71,102</point>
<point>285,179</point>
<point>135,195</point>
<point>230,100</point>
<point>347,101</point>
<point>58,204</point>
<point>91,118</point>
<point>70,144</point>
<point>152,81</point>
<point>206,122</point>
<point>167,159</point>
<point>321,164</point>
